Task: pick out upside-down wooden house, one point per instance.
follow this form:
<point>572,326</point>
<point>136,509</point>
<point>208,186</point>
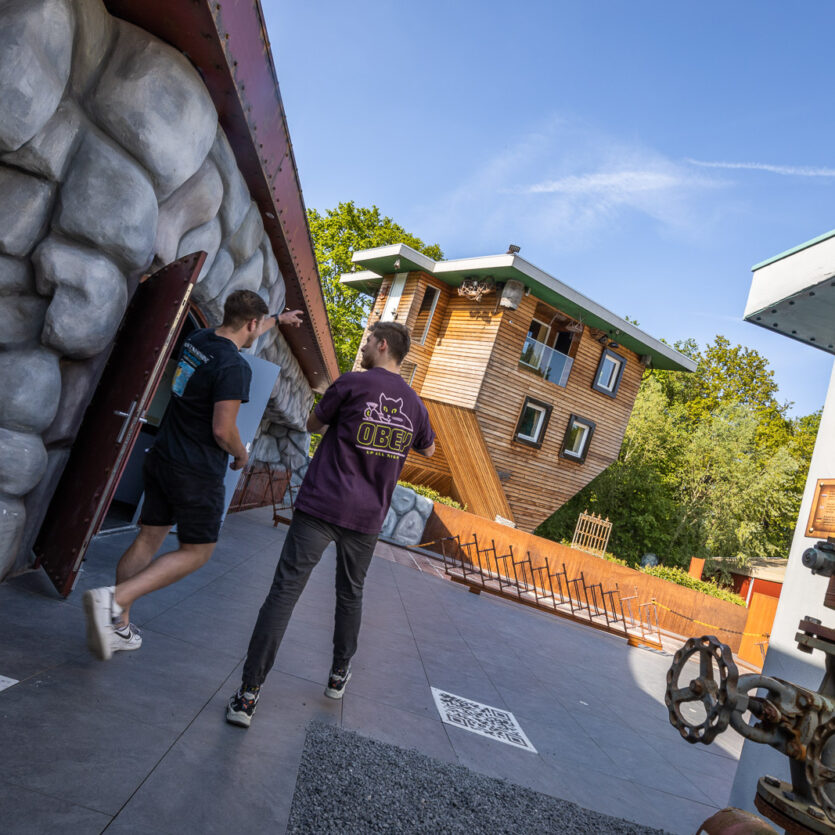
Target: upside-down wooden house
<point>528,383</point>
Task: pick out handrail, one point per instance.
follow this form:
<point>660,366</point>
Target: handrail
<point>553,365</point>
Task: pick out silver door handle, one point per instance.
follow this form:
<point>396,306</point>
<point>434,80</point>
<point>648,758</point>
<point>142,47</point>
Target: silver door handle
<point>128,414</point>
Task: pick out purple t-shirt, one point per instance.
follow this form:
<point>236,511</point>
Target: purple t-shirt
<point>374,417</point>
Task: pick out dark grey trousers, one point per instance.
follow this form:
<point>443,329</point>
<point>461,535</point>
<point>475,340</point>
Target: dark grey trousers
<point>306,539</point>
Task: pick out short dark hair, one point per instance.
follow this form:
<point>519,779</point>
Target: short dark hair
<point>242,306</point>
<point>396,336</point>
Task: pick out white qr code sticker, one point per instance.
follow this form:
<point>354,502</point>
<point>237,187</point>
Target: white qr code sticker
<point>492,722</point>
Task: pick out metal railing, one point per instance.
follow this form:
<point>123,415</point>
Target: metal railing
<point>483,568</point>
<point>549,363</point>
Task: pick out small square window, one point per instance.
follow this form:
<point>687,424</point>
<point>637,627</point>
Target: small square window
<point>609,371</point>
<point>533,420</point>
<point>578,435</point>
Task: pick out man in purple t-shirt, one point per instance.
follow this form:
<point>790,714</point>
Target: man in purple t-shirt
<point>370,419</point>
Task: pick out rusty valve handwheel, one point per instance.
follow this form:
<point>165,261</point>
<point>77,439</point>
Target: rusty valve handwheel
<point>718,697</point>
<point>821,777</point>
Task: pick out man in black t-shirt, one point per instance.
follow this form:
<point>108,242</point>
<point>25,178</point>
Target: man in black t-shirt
<point>184,471</point>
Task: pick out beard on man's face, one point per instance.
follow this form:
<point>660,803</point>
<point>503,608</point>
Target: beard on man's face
<point>366,362</point>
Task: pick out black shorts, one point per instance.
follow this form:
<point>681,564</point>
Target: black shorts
<point>173,494</point>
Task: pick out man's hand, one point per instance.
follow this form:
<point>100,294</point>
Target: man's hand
<point>291,318</point>
<point>239,462</point>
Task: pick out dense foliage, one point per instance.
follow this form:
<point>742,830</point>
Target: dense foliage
<point>337,235</point>
<point>680,576</point>
<point>431,494</point>
<point>710,466</point>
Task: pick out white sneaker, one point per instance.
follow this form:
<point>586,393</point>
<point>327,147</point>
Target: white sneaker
<point>101,609</point>
<point>125,638</point>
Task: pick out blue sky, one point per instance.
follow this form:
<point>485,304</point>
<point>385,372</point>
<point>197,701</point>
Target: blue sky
<point>646,153</point>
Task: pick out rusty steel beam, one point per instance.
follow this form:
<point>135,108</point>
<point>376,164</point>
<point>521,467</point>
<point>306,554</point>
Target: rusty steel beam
<point>227,42</point>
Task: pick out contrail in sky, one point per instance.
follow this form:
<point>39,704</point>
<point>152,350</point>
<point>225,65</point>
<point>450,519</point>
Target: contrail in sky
<point>790,170</point>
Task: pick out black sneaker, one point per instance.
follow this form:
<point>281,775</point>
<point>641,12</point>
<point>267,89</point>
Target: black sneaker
<point>339,677</point>
<point>242,706</point>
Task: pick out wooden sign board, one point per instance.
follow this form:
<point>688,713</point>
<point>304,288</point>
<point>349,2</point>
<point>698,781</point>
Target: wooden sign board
<point>822,518</point>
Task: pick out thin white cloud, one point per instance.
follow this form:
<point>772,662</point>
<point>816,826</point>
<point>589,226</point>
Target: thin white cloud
<point>564,185</point>
<point>610,183</point>
<point>786,170</point>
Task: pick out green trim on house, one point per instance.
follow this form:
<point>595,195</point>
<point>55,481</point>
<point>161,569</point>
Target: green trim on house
<point>398,258</point>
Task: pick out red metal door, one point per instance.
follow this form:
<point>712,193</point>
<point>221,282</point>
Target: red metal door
<point>114,417</point>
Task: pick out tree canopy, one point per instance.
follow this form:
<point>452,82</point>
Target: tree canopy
<point>710,466</point>
<point>337,235</point>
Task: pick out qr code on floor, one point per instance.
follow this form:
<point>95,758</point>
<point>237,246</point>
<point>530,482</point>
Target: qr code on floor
<point>492,722</point>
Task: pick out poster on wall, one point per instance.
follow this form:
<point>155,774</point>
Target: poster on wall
<point>822,518</point>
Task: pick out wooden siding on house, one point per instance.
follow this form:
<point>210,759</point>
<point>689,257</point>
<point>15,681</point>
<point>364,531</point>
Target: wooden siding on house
<point>540,480</point>
<point>468,373</point>
<point>474,477</point>
<point>462,352</point>
<point>421,354</point>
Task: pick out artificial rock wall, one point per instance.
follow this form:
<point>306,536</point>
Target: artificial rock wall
<point>112,163</point>
<point>407,516</point>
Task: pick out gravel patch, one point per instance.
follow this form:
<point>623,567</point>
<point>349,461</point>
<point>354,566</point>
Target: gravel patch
<point>348,783</point>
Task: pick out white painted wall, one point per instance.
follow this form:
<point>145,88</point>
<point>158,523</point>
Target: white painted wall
<point>802,595</point>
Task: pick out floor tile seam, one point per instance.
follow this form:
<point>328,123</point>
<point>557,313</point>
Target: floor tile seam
<point>169,749</point>
<point>42,793</point>
<point>639,786</point>
<point>683,777</point>
<point>423,666</point>
<point>120,713</point>
<point>193,593</point>
<point>422,714</point>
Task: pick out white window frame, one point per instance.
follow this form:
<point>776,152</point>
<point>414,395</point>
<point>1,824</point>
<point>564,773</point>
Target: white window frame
<point>389,313</point>
<point>425,333</point>
<point>543,415</point>
<point>607,358</point>
<point>588,427</point>
<point>544,325</point>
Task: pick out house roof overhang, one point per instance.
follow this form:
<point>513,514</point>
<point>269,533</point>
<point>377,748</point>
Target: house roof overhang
<point>401,258</point>
<point>793,293</point>
<point>228,44</point>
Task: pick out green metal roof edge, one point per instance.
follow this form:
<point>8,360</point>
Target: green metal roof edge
<point>793,250</point>
<point>446,271</point>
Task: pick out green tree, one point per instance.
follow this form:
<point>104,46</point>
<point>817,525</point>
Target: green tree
<point>710,465</point>
<point>337,235</point>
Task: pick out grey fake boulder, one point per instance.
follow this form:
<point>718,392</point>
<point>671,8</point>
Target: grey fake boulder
<point>30,380</point>
<point>152,101</point>
<point>108,202</point>
<point>24,210</point>
<point>89,295</point>
<point>22,461</point>
<point>36,42</point>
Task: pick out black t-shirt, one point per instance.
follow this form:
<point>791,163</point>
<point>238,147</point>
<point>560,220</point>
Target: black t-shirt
<point>210,369</point>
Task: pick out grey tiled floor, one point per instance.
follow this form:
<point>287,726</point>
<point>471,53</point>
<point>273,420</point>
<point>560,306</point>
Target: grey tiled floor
<point>139,744</point>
